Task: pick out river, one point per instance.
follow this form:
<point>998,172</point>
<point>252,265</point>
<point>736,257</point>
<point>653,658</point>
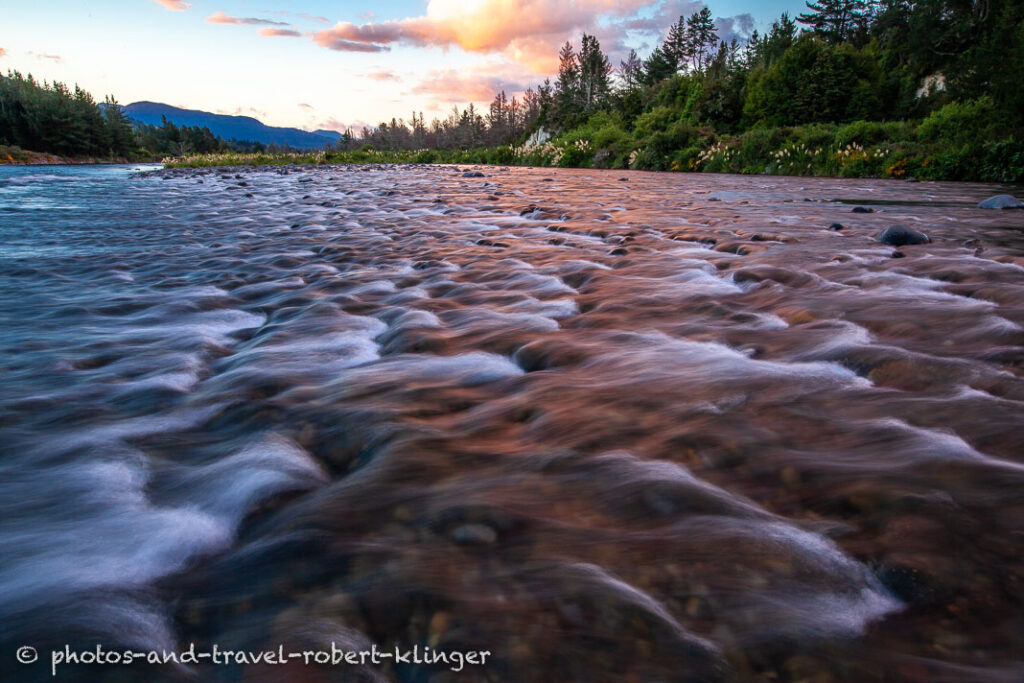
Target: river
<point>604,425</point>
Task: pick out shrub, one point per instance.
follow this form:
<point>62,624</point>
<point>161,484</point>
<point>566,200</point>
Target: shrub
<point>968,121</point>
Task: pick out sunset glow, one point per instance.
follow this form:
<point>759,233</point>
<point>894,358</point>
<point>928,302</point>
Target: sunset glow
<point>331,64</point>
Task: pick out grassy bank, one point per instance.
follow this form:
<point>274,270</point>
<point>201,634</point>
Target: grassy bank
<point>946,146</point>
<point>15,156</point>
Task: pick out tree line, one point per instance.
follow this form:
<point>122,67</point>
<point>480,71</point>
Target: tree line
<point>52,118</point>
<point>933,85</point>
<point>951,69</point>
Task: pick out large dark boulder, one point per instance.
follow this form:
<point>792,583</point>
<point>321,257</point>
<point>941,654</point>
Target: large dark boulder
<point>899,235</point>
<point>1001,201</point>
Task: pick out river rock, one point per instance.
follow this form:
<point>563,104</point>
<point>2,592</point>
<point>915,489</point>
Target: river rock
<point>862,209</point>
<point>472,174</point>
<point>899,235</point>
<point>1001,201</point>
<point>473,534</point>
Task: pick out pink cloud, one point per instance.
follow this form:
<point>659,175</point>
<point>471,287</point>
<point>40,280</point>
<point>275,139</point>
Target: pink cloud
<point>174,5</point>
<point>341,126</point>
<point>3,52</point>
<point>383,75</point>
<point>527,31</point>
<point>56,59</point>
<point>283,32</point>
<point>454,87</point>
<point>222,18</point>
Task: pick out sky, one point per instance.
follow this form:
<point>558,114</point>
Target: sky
<point>331,64</point>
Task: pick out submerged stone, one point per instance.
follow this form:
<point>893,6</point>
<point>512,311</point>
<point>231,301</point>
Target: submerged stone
<point>473,534</point>
<point>1001,201</point>
<point>899,235</point>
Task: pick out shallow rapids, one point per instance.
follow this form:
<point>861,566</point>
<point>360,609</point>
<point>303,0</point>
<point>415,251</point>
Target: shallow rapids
<point>640,427</point>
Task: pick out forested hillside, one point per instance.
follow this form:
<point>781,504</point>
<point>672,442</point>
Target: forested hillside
<point>54,119</point>
<point>929,88</point>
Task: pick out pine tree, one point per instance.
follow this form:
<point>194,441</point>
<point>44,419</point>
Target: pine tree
<point>676,47</point>
<point>594,68</point>
<point>657,67</point>
<point>567,87</point>
<point>836,20</point>
<point>630,71</point>
<point>119,128</point>
<point>701,38</point>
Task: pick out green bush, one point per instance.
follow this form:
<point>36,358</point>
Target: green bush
<point>816,135</point>
<point>964,122</point>
<point>658,119</point>
<point>760,142</point>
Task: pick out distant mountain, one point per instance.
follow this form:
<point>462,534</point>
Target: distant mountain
<point>332,134</point>
<point>241,128</point>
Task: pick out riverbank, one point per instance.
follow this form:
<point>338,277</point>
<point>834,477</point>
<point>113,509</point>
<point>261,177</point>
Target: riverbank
<point>15,156</point>
<point>856,151</point>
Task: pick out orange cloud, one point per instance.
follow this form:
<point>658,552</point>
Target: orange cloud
<point>283,32</point>
<point>174,5</point>
<point>383,76</point>
<point>3,52</point>
<point>222,18</point>
<point>522,29</point>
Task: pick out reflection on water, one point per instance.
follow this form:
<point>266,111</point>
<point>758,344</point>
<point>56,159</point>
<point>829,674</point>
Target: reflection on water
<point>611,428</point>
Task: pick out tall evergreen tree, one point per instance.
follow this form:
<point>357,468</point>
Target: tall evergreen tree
<point>836,20</point>
<point>594,69</point>
<point>567,87</point>
<point>630,70</point>
<point>657,67</point>
<point>676,46</point>
<point>701,38</point>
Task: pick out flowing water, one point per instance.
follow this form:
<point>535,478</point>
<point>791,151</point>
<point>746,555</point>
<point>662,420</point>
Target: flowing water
<point>606,426</point>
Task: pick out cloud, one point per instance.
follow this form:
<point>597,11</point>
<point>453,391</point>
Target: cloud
<point>247,111</point>
<point>350,46</point>
<point>57,59</point>
<point>306,106</point>
<point>383,75</point>
<point>283,32</point>
<point>303,15</point>
<point>455,87</point>
<point>175,5</point>
<point>528,31</point>
<point>222,18</point>
<point>342,126</point>
<point>736,28</point>
<point>664,15</point>
<point>3,52</point>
